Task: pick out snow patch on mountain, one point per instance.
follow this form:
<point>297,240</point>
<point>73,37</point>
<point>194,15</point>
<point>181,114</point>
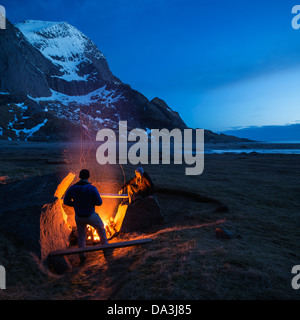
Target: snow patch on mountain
<point>107,97</point>
<point>58,83</point>
<point>30,26</point>
<point>62,44</point>
<point>31,131</point>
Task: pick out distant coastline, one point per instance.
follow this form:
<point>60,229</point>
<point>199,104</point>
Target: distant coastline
<point>284,141</point>
<point>289,133</point>
<point>270,147</point>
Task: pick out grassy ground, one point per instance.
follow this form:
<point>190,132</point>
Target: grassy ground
<point>185,260</point>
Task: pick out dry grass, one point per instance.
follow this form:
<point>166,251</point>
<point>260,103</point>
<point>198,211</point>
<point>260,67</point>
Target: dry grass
<point>185,260</point>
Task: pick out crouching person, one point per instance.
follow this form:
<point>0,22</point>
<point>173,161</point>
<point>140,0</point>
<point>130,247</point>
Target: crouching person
<point>83,197</point>
<point>139,187</point>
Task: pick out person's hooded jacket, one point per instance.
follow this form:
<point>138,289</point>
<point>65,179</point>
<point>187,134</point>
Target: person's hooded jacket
<point>83,196</point>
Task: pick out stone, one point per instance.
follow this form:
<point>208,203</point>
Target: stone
<point>139,215</point>
<point>157,114</point>
<point>54,229</point>
<point>33,216</point>
<point>59,265</point>
<point>223,233</point>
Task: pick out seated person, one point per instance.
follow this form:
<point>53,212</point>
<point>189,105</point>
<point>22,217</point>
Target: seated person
<point>139,186</point>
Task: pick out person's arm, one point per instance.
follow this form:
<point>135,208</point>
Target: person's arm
<point>68,199</point>
<point>97,198</point>
<point>131,181</point>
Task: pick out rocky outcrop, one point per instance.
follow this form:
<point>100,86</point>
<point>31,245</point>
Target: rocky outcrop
<point>140,215</point>
<point>54,229</point>
<point>33,215</point>
<point>55,84</point>
<point>157,114</point>
<point>80,66</point>
<point>23,68</point>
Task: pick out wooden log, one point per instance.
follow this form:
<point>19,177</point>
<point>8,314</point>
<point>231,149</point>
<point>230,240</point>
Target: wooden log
<point>99,247</point>
<point>114,196</point>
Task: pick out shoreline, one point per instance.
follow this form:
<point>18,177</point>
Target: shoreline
<point>237,148</point>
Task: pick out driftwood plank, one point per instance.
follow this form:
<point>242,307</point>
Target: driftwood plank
<point>99,247</point>
<point>114,196</point>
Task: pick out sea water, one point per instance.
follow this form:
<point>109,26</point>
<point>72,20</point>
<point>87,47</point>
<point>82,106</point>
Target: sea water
<point>264,151</point>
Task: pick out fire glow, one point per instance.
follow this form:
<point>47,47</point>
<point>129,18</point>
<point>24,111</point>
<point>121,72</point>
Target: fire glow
<point>110,228</point>
<point>113,217</point>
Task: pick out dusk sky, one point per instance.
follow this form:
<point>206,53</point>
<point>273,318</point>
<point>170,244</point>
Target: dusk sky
<point>220,64</point>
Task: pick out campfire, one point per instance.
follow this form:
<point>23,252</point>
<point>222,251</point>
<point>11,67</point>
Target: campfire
<point>58,226</point>
<point>92,236</point>
<point>111,212</point>
<point>112,225</point>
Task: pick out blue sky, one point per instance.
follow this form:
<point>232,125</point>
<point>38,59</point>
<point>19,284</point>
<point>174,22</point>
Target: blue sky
<point>220,64</point>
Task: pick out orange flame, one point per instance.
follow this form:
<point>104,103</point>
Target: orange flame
<point>110,228</point>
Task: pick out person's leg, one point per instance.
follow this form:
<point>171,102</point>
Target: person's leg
<point>96,222</point>
<point>81,229</point>
<point>132,189</point>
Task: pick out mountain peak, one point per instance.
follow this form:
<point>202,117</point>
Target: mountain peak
<point>34,29</point>
<point>65,46</point>
<point>57,84</point>
<point>35,25</point>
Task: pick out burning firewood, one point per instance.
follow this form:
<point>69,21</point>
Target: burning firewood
<point>110,227</point>
<point>92,236</point>
<point>89,235</point>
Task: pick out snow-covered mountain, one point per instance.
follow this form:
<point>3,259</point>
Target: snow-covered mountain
<point>76,56</point>
<point>55,84</point>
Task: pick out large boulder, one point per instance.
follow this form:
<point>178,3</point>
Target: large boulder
<point>54,229</point>
<point>139,215</point>
<point>31,212</point>
<point>223,233</point>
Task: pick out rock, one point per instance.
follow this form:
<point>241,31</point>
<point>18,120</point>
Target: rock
<point>33,216</point>
<point>54,229</point>
<point>157,114</point>
<point>59,265</point>
<point>19,76</point>
<point>223,233</point>
<point>139,215</point>
<point>29,72</point>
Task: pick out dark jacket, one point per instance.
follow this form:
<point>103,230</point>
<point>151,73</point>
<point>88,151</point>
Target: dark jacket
<point>83,197</point>
<point>145,185</point>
